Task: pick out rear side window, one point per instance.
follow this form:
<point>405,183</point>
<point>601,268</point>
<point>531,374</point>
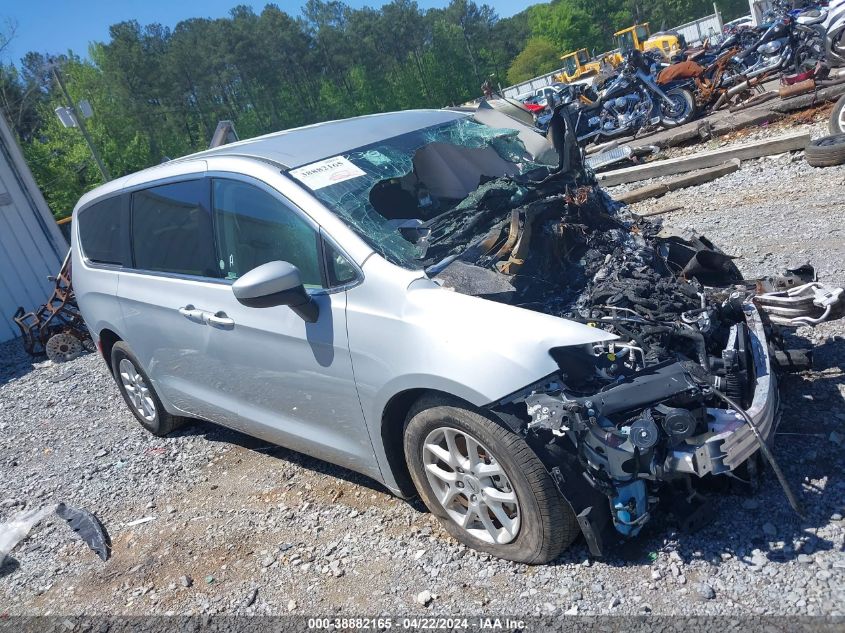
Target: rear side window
<point>102,232</point>
<point>254,228</point>
<point>171,229</point>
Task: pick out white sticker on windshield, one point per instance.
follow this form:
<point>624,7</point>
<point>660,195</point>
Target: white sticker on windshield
<point>327,172</point>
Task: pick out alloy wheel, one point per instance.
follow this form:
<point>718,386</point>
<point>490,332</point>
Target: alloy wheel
<point>137,390</point>
<point>471,485</point>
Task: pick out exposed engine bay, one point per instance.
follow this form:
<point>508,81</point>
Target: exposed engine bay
<point>686,391</point>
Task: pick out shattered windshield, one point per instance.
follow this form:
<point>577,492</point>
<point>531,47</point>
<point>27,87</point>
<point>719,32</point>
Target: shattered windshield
<point>390,192</point>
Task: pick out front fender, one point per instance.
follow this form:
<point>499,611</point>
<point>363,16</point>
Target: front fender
<point>407,332</point>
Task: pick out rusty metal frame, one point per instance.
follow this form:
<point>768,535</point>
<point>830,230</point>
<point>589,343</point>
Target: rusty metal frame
<point>59,315</point>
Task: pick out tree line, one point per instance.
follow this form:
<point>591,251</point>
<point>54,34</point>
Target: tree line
<point>158,93</point>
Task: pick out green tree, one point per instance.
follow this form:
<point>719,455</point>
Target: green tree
<point>539,56</point>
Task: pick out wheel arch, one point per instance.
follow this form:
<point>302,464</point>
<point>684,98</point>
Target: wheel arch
<point>395,415</point>
<point>106,340</point>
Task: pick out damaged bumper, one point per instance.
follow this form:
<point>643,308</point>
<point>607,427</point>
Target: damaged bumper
<point>657,426</point>
<point>729,441</point>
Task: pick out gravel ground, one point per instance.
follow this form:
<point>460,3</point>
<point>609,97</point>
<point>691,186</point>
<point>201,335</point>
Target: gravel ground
<point>242,527</point>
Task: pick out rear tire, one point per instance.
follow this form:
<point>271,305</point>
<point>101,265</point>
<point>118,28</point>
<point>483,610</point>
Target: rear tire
<point>545,523</point>
<point>826,151</point>
<point>684,110</point>
<point>138,393</point>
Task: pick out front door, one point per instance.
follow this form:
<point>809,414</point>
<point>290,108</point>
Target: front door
<point>292,380</point>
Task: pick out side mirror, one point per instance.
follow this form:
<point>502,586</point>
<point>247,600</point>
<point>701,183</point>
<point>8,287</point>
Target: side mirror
<point>275,284</point>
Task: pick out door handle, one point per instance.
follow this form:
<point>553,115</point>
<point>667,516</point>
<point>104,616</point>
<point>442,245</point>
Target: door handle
<point>219,320</point>
<point>191,313</point>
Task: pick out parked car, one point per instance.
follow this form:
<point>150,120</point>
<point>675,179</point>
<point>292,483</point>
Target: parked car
<point>741,22</point>
<point>344,290</point>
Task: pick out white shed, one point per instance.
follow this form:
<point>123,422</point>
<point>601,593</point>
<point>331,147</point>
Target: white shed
<point>31,245</point>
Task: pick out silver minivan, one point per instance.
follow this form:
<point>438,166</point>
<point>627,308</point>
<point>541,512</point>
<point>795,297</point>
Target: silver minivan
<point>351,290</point>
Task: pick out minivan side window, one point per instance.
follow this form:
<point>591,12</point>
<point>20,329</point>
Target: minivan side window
<point>171,229</point>
<point>102,229</point>
<point>338,269</point>
<point>253,227</point>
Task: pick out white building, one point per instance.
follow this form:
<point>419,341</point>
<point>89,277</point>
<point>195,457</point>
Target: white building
<point>756,10</point>
<point>31,245</point>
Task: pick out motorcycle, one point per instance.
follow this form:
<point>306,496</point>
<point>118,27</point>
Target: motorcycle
<point>709,83</point>
<point>834,26</point>
<point>628,102</point>
<point>773,52</point>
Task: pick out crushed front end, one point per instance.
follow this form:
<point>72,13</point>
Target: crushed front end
<point>687,391</point>
<point>636,428</point>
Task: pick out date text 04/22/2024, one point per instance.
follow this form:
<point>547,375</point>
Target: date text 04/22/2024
<point>422,623</point>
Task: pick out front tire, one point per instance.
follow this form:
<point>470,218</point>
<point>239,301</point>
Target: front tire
<point>138,393</point>
<point>682,111</point>
<point>837,117</point>
<point>485,484</point>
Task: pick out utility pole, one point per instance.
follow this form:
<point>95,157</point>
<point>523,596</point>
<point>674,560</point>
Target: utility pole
<point>80,121</point>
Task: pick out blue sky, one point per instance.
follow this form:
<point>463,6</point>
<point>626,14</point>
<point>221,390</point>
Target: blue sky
<point>54,26</point>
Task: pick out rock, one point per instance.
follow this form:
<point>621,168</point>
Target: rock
<point>614,602</point>
<point>291,605</point>
<point>424,598</point>
<point>705,591</point>
<point>769,529</point>
<point>250,598</point>
<point>186,581</point>
<point>836,438</point>
<point>759,560</point>
<point>597,587</point>
<point>805,559</point>
<point>655,575</point>
<point>573,610</point>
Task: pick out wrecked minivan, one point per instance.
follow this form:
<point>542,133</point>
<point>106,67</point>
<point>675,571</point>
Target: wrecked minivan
<point>446,303</point>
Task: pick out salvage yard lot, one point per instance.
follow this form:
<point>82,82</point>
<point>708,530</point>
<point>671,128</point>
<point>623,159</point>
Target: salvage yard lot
<point>239,526</point>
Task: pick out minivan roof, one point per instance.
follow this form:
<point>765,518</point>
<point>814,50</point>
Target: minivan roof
<point>303,145</point>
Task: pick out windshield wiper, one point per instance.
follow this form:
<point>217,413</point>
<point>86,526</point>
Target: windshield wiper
<point>435,269</point>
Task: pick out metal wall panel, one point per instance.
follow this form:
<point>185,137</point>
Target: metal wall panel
<point>31,245</point>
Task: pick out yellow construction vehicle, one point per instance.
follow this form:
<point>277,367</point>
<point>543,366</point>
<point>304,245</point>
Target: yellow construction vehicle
<point>576,64</point>
<point>639,37</point>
